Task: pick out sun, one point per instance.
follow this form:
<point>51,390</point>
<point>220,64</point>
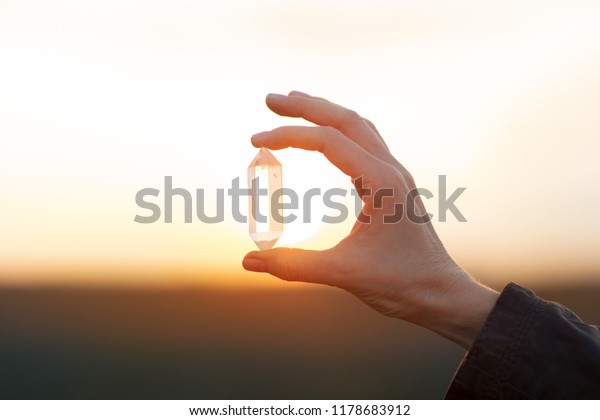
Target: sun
<point>308,176</point>
<point>300,230</point>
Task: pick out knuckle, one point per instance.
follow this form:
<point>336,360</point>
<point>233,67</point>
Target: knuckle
<point>291,269</point>
<point>408,178</point>
<point>391,177</point>
<point>341,271</point>
<point>330,134</point>
<point>351,117</point>
<point>397,171</point>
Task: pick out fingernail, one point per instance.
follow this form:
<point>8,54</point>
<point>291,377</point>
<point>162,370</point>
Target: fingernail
<point>254,264</point>
<point>257,137</point>
<point>298,93</point>
<point>275,97</point>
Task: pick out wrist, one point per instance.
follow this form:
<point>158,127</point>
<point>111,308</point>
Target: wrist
<point>456,307</point>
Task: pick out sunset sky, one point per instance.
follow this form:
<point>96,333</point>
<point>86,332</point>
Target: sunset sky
<point>101,99</point>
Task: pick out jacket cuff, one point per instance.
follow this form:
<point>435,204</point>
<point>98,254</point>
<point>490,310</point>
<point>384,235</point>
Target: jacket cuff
<point>488,367</point>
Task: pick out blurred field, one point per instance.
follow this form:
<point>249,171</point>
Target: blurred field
<point>297,343</point>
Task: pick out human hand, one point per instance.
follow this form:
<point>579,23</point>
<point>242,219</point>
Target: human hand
<point>400,269</point>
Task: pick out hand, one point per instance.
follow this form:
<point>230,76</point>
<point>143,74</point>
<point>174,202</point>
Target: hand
<point>400,269</point>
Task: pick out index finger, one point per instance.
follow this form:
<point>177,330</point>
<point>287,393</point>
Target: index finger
<point>346,155</point>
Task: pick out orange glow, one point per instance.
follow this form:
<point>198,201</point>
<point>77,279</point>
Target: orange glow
<point>503,100</point>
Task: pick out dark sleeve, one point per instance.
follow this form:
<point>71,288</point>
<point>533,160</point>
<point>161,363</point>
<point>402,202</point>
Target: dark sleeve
<point>530,348</point>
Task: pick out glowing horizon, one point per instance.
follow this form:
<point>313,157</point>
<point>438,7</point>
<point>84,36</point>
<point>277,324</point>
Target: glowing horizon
<point>101,100</point>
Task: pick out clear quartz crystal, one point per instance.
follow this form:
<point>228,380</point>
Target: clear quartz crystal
<point>264,179</point>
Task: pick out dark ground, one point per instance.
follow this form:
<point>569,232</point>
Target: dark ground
<point>308,343</point>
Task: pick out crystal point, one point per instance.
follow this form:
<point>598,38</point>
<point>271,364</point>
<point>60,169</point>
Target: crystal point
<point>264,180</point>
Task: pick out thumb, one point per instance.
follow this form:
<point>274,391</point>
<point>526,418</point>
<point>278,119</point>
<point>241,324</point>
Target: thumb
<point>291,264</point>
